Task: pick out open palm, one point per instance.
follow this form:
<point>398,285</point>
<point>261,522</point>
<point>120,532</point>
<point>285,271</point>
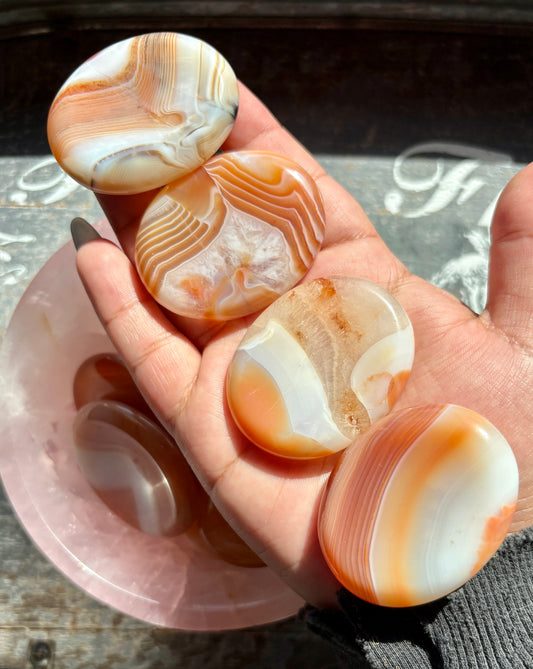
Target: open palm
<point>482,362</point>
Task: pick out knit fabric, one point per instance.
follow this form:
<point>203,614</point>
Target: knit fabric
<point>486,624</point>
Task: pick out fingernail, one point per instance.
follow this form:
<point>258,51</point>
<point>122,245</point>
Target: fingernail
<point>82,232</point>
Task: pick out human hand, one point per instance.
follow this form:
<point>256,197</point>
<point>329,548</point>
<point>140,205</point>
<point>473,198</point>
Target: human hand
<point>482,362</point>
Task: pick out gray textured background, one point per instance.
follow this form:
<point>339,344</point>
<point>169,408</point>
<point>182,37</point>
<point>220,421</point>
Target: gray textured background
<point>422,113</point>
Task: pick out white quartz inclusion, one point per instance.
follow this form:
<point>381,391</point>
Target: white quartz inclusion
<point>243,241</point>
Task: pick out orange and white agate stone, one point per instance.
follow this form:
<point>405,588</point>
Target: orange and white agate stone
<point>135,468</point>
<point>142,112</point>
<point>104,376</point>
<point>319,366</point>
<point>229,238</point>
<point>418,505</point>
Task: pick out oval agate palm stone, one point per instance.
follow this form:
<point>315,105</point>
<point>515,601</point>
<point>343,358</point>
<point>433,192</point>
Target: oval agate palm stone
<point>418,505</point>
<point>319,366</point>
<point>142,112</point>
<point>104,376</point>
<point>135,468</point>
<point>229,238</point>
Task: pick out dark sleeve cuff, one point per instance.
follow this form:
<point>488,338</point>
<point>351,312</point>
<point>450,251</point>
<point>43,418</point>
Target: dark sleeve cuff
<point>487,623</point>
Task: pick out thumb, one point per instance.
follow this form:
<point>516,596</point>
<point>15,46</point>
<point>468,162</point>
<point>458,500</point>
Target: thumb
<point>510,288</point>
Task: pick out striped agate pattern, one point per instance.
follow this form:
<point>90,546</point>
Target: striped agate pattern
<point>418,505</point>
<point>143,112</point>
<point>319,366</point>
<point>229,238</point>
<point>135,468</point>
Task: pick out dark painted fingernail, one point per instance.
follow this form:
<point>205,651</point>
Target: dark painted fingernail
<point>82,232</point>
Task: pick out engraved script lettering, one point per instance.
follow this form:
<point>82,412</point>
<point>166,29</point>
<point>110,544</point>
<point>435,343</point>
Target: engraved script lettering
<point>43,183</point>
<point>12,273</point>
<point>454,179</point>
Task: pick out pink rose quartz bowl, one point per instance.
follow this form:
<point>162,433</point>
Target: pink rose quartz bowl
<point>171,582</point>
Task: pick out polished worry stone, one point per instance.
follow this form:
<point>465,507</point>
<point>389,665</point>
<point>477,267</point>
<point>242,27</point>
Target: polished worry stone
<point>418,505</point>
<point>229,238</point>
<point>104,376</point>
<point>135,468</point>
<point>142,112</point>
<point>319,366</point>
